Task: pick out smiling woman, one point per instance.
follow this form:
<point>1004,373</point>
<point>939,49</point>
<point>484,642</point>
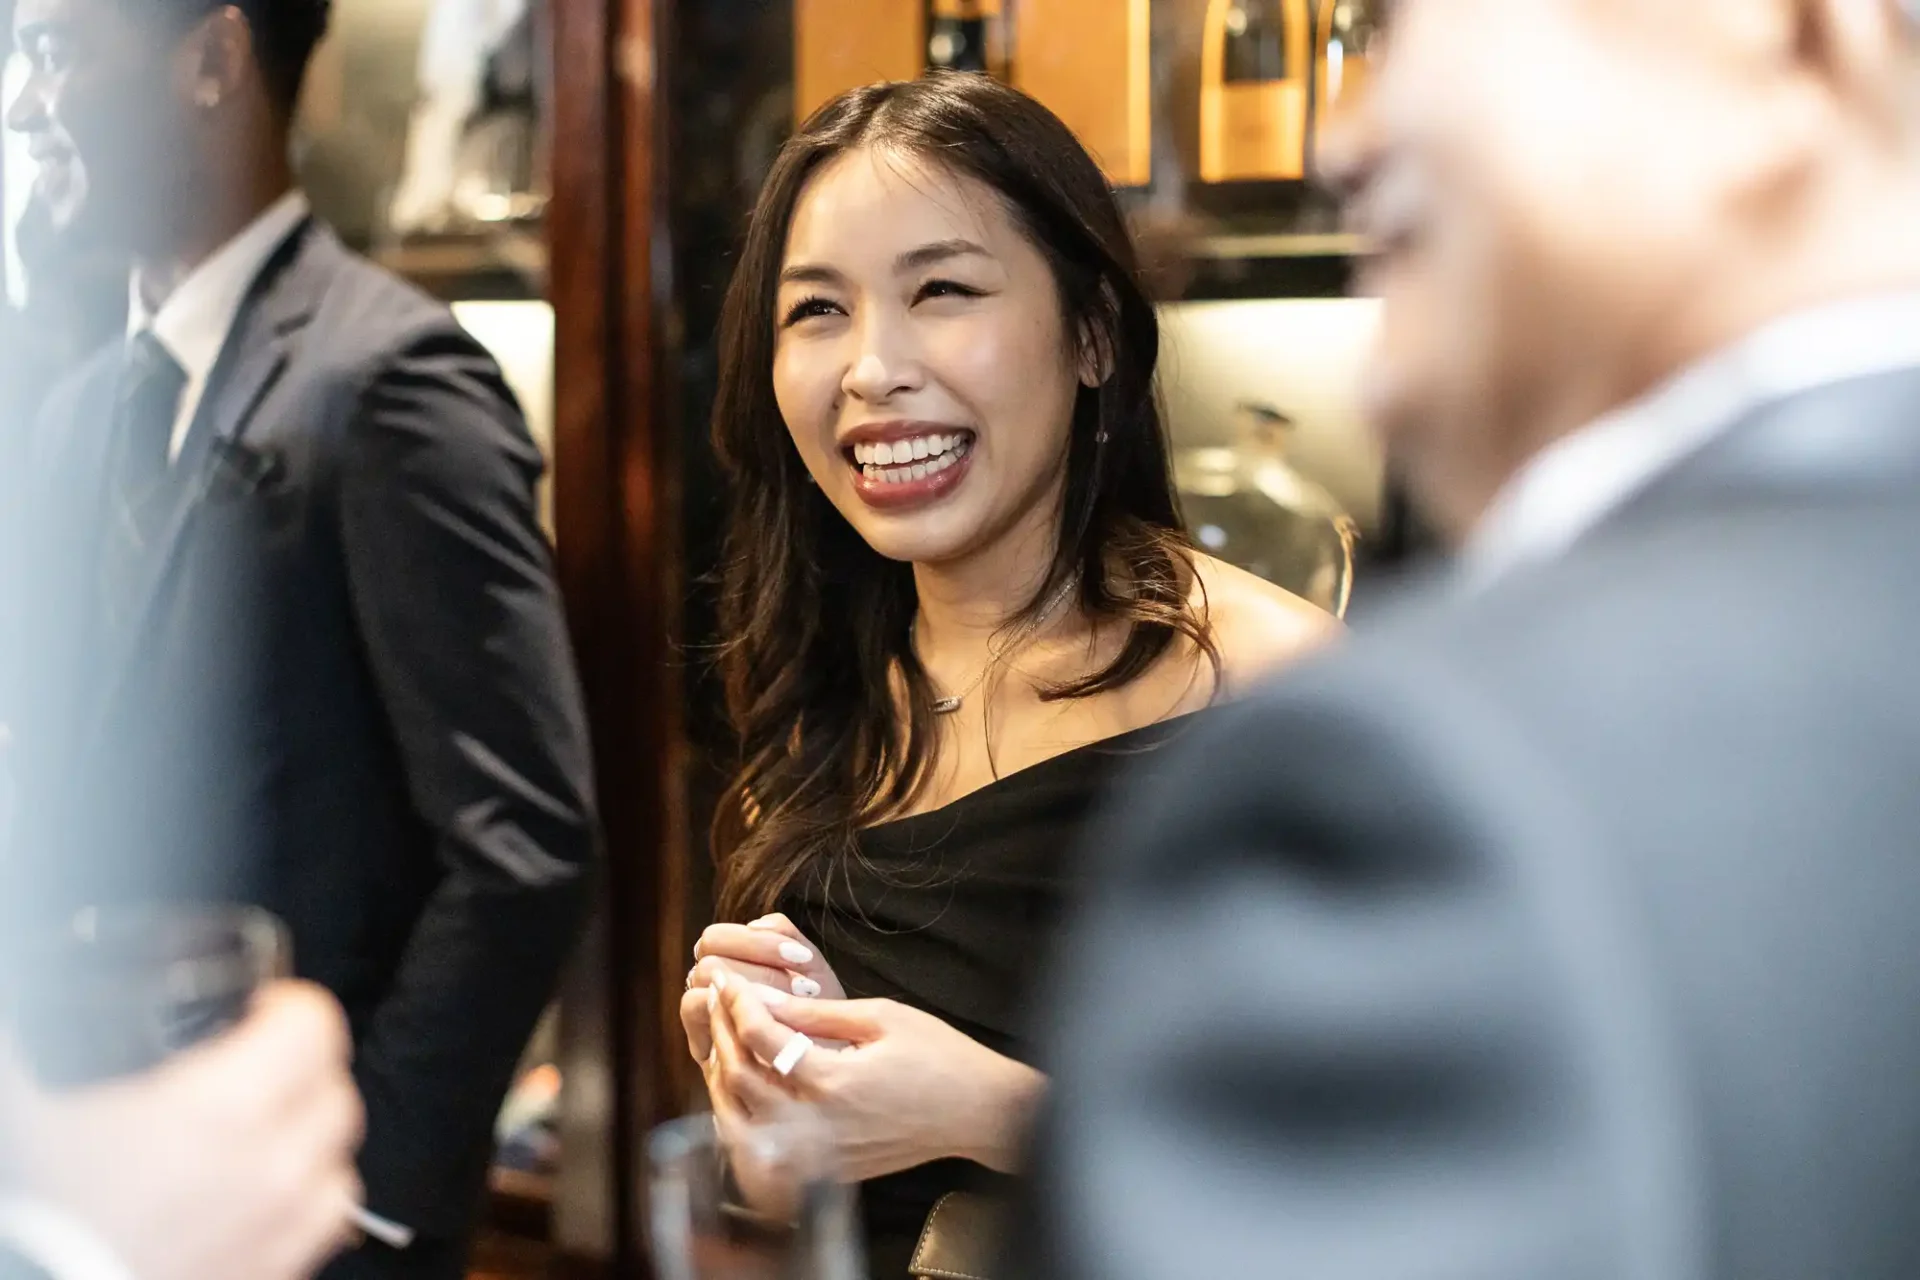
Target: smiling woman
<point>957,595</point>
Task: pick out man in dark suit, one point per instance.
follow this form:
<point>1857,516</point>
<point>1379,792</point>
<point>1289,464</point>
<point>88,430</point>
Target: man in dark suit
<point>295,638</point>
<point>1563,924</point>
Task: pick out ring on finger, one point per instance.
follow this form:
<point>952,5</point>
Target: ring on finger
<point>789,1057</point>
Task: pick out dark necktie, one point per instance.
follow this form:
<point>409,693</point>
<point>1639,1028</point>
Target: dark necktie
<point>141,485</point>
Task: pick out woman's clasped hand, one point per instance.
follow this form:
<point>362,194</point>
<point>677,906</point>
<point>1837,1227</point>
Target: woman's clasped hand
<point>897,1087</point>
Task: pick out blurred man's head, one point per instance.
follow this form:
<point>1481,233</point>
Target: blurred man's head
<point>141,112</point>
<point>1577,198</point>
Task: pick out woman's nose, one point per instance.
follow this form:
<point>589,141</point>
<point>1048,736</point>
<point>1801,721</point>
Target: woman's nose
<point>884,366</point>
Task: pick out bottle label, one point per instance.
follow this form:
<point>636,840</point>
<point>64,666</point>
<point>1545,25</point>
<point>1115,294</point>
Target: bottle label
<point>1253,132</point>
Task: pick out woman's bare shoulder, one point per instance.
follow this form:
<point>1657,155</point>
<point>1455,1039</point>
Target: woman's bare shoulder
<point>1258,627</point>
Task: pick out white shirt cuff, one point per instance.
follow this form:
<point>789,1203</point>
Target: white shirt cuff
<point>57,1242</point>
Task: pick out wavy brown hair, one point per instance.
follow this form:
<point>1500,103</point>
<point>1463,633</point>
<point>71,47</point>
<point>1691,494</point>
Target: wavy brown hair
<point>818,625</point>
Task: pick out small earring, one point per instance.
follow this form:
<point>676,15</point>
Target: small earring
<point>1100,436</point>
<point>207,97</point>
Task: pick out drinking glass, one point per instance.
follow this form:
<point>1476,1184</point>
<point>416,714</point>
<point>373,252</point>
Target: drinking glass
<point>761,1201</point>
<point>116,990</point>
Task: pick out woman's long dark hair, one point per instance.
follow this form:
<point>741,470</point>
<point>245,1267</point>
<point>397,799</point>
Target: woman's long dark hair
<point>816,622</point>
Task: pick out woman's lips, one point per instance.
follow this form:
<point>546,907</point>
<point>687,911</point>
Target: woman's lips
<point>941,478</point>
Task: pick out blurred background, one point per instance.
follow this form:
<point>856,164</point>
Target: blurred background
<point>574,177</point>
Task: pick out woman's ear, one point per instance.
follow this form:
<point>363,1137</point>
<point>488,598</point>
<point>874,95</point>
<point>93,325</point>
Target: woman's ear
<point>1095,357</point>
<point>1095,348</point>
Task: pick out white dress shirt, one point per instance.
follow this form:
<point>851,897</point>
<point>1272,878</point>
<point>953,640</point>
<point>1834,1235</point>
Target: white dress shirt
<point>196,318</point>
<point>1576,482</point>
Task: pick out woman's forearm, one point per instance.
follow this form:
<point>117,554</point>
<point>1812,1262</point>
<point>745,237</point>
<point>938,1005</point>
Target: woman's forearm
<point>995,1135</point>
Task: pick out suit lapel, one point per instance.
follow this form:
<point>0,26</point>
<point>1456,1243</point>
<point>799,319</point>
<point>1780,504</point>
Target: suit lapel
<point>265,333</point>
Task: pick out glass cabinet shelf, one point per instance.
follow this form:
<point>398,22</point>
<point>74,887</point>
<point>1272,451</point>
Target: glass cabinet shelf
<point>507,267</point>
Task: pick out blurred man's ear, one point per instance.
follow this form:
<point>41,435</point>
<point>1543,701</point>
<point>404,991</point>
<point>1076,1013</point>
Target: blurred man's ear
<point>1867,51</point>
<point>218,58</point>
<point>1910,22</point>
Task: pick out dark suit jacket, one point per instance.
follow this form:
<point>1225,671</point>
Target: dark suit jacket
<point>1564,930</point>
<point>347,695</point>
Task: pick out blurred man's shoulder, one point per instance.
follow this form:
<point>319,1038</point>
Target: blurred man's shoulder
<point>368,322</point>
<point>59,403</point>
<point>1651,617</point>
<point>367,305</point>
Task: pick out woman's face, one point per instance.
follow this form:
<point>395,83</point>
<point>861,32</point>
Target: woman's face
<point>921,360</point>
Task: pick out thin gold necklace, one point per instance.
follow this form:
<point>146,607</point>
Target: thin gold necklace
<point>948,705</point>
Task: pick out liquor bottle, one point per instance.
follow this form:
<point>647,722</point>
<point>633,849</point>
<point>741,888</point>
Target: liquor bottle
<point>966,35</point>
<point>1346,34</point>
<point>1253,90</point>
<point>1091,63</point>
<point>843,44</point>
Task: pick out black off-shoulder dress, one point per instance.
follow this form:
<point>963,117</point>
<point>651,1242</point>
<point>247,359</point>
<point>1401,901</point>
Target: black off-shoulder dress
<point>954,912</point>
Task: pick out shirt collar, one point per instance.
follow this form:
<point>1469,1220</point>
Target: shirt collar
<point>1575,483</point>
<point>193,323</point>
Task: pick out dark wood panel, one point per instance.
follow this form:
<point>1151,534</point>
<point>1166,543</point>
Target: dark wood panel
<point>587,1192</point>
<point>616,504</point>
<point>652,475</point>
<point>653,480</point>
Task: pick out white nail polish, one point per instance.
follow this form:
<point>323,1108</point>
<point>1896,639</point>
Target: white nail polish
<point>794,953</point>
<point>719,979</point>
<point>713,999</point>
<point>804,986</point>
<point>770,995</point>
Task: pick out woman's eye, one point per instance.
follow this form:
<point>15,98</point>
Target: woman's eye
<point>946,289</point>
<point>807,309</point>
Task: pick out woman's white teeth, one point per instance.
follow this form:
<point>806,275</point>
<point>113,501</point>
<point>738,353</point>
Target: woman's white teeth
<point>941,452</point>
<point>915,459</point>
<point>900,452</point>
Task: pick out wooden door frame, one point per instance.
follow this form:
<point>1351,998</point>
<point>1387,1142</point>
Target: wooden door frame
<point>617,489</point>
